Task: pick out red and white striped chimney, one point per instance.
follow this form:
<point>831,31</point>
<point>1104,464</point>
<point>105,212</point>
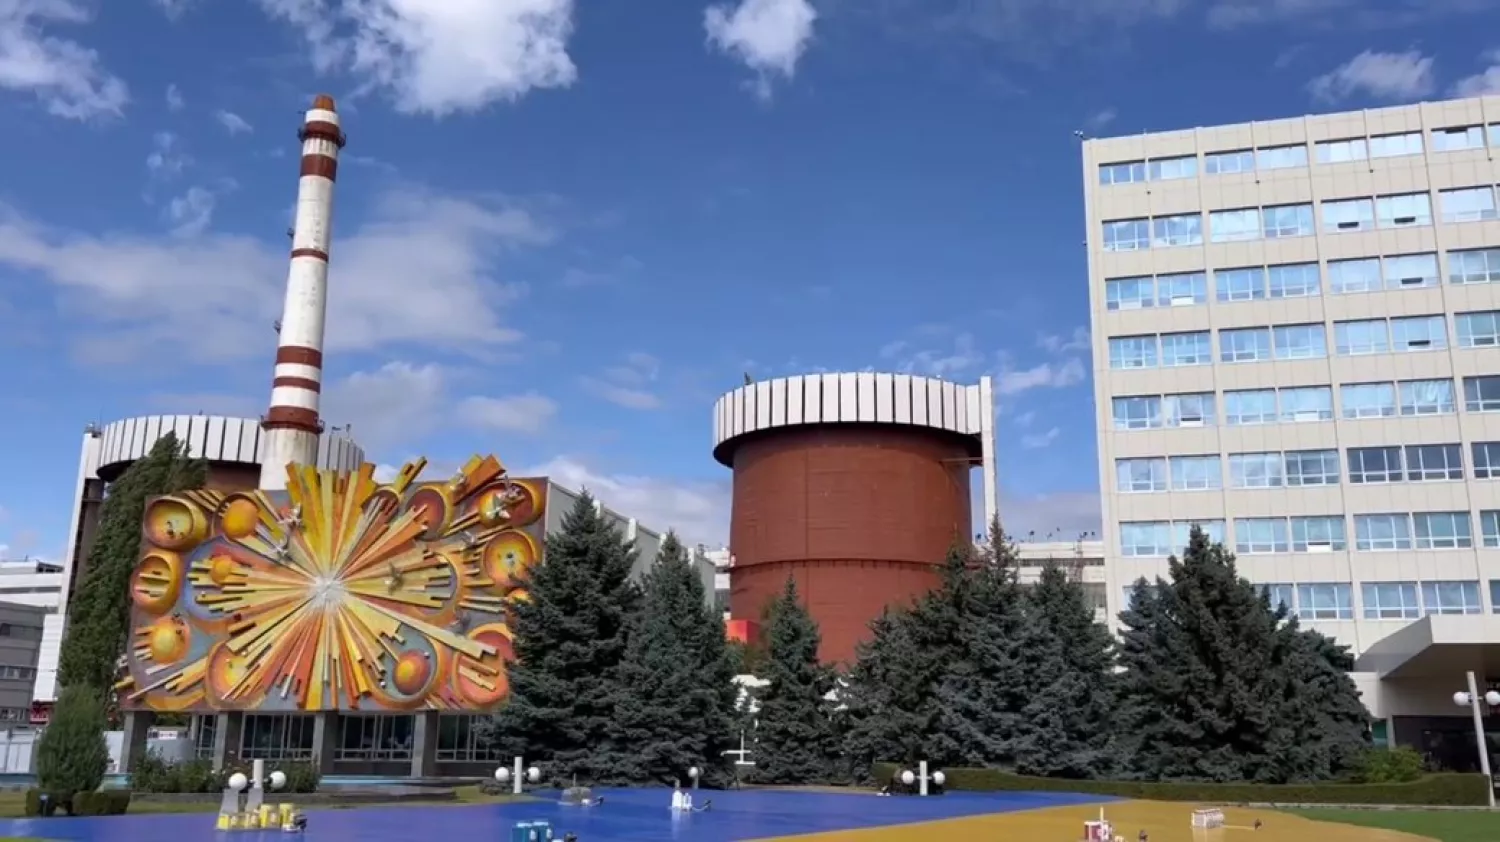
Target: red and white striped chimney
<point>292,425</point>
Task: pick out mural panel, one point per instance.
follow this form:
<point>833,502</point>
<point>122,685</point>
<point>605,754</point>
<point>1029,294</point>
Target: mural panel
<point>338,594</point>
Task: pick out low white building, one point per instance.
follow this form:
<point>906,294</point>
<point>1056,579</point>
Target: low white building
<point>38,583</point>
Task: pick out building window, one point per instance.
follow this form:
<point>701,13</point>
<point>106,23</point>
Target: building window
<point>1183,349</point>
<point>1184,229</point>
<point>1181,290</point>
<point>1493,130</point>
<point>1479,266</point>
<point>1312,467</point>
<point>1306,403</point>
<point>1196,473</point>
<point>460,740</point>
<point>1282,221</point>
<point>1350,276</point>
<point>1404,210</point>
<point>1132,352</point>
<point>1325,601</point>
<point>1451,598</point>
<point>1146,539</point>
<point>1172,169</point>
<point>1231,226</point>
<point>1137,413</point>
<point>1411,271</point>
<point>1457,139</point>
<point>1395,145</point>
<point>1243,408</point>
<point>1419,333</point>
<point>1257,470</point>
<point>1342,151</point>
<point>1129,293</point>
<point>277,736</point>
<point>1260,535</point>
<point>1365,336</point>
<point>1377,533</point>
<point>1434,462</point>
<point>1390,601</point>
<point>374,737</point>
<point>1478,330</point>
<point>1426,397</point>
<point>1182,530</point>
<point>1443,530</point>
<point>1281,157</point>
<point>1245,344</point>
<point>1371,465</point>
<point>1489,528</point>
<point>1127,235</point>
<point>1296,280</point>
<point>1139,476</point>
<point>1482,394</point>
<point>1318,534</point>
<point>204,736</point>
<point>1195,409</point>
<point>1300,342</point>
<point>1228,163</point>
<point>1486,459</point>
<point>1348,215</point>
<point>1129,172</point>
<point>1467,204</point>
<point>1247,284</point>
<point>1281,594</point>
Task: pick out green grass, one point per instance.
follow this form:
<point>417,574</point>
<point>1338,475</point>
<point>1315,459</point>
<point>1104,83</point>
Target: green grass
<point>13,804</point>
<point>1443,825</point>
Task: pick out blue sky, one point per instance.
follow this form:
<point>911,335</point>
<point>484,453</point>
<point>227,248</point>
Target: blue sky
<point>562,230</point>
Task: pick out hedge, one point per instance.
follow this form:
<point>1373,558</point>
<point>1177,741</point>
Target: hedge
<point>1446,790</point>
<point>104,802</point>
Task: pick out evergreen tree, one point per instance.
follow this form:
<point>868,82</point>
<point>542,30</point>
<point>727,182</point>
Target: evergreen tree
<point>795,737</point>
<point>569,641</point>
<point>888,709</point>
<point>71,754</point>
<point>1216,683</point>
<point>99,617</point>
<point>680,708</point>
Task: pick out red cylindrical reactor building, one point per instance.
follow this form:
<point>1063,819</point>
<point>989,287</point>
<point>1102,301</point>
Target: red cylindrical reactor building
<point>853,485</point>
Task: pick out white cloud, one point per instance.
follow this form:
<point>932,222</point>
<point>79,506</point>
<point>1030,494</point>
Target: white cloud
<point>233,123</point>
<point>698,511</point>
<point>439,58</point>
<point>528,413</point>
<point>1052,374</point>
<point>1484,83</point>
<point>175,102</point>
<point>191,212</point>
<point>963,357</point>
<point>1037,441</point>
<point>964,360</point>
<point>66,77</point>
<point>1395,77</point>
<point>209,403</point>
<point>628,384</point>
<point>768,36</point>
<point>166,159</point>
<point>1065,514</point>
<point>1054,343</point>
<point>174,8</point>
<point>136,294</point>
<point>1101,118</point>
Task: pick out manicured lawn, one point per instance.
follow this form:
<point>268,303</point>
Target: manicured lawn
<point>1443,825</point>
<point>13,804</point>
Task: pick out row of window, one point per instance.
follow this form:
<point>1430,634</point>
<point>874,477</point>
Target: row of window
<point>1247,407</point>
<point>1302,280</point>
<point>1378,532</point>
<point>1379,600</point>
<point>1339,216</point>
<point>1357,337</point>
<point>1377,465</point>
<point>1270,158</point>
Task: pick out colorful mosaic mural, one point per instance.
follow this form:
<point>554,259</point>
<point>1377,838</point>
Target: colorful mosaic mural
<point>339,593</point>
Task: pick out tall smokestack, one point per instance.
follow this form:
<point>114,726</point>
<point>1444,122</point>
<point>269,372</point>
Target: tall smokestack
<point>292,425</point>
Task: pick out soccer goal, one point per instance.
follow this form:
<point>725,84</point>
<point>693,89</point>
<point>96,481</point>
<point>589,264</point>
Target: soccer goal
<point>1208,818</point>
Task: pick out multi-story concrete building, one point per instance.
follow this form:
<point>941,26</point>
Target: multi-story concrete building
<point>20,646</point>
<point>1083,559</point>
<point>38,584</point>
<point>1297,346</point>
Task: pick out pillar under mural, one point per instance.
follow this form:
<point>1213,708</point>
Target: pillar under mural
<point>325,740</point>
<point>137,727</point>
<point>424,740</point>
<point>227,740</point>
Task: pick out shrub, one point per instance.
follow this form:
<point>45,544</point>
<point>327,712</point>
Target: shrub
<point>36,806</point>
<point>1447,790</point>
<point>301,776</point>
<point>1391,766</point>
<point>155,774</point>
<point>71,755</point>
<point>105,802</point>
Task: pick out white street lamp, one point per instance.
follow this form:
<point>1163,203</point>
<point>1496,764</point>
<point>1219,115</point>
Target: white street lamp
<point>1475,702</point>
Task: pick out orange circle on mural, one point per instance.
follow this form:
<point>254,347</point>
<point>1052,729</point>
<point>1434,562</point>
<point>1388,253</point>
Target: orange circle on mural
<point>227,671</point>
<point>482,682</point>
<point>519,595</point>
<point>168,639</point>
<point>412,672</point>
<point>239,517</point>
<point>174,523</point>
<point>434,507</point>
<point>508,556</point>
<point>222,569</point>
<point>156,582</point>
<point>511,502</point>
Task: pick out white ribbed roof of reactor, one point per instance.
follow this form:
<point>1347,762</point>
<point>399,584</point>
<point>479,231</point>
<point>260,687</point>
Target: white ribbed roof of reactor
<point>213,437</point>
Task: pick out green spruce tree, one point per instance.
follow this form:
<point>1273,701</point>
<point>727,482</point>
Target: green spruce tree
<point>569,641</point>
<point>71,754</point>
<point>1326,728</point>
<point>795,737</point>
<point>888,712</point>
<point>99,617</point>
<point>679,712</point>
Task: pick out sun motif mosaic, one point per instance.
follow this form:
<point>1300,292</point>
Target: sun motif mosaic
<point>339,593</point>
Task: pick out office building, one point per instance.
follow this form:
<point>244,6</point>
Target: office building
<point>20,648</point>
<point>38,584</point>
<point>1297,347</point>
